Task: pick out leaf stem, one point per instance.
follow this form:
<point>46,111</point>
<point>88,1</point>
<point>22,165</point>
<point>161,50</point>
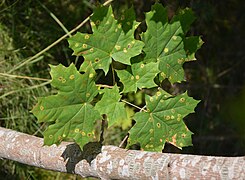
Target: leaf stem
<point>124,139</point>
<point>141,109</point>
<point>104,86</point>
<point>113,74</point>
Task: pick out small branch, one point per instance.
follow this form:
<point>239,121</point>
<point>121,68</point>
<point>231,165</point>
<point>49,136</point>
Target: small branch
<point>118,163</point>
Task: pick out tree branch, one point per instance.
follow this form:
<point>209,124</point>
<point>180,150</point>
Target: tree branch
<point>117,163</point>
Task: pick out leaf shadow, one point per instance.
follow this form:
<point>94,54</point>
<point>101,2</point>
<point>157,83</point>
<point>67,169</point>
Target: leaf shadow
<point>73,154</point>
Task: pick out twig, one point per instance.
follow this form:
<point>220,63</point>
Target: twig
<point>124,139</point>
<point>141,109</point>
<point>23,77</point>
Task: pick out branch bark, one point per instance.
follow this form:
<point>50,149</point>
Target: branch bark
<point>117,163</point>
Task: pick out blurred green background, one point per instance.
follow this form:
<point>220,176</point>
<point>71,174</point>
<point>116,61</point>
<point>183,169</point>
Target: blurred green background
<point>217,77</point>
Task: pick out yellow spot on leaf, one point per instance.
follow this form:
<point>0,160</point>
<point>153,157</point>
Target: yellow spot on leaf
<point>50,136</point>
<point>172,117</point>
<point>158,93</point>
<point>116,30</point>
<point>87,94</point>
<point>76,130</point>
<point>91,50</point>
<point>165,50</point>
<point>77,44</point>
<point>118,47</point>
<point>119,26</point>
<point>41,108</point>
<point>132,78</point>
<point>60,78</point>
<point>174,37</point>
<point>180,61</point>
<point>150,119</point>
<point>125,50</point>
<point>63,80</point>
<point>137,77</point>
<point>183,135</point>
<point>83,133</point>
<point>133,41</point>
<point>151,131</point>
<point>86,36</point>
<point>91,75</point>
<point>167,117</point>
<point>151,99</point>
<point>97,22</point>
<point>96,60</point>
<point>158,125</point>
<point>163,75</point>
<point>173,111</point>
<point>72,77</point>
<point>85,46</point>
<point>142,65</point>
<point>182,100</point>
<point>64,135</point>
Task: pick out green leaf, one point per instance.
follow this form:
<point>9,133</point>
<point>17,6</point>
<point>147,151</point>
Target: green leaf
<point>186,17</point>
<point>163,122</point>
<point>192,44</point>
<point>142,76</point>
<point>110,105</point>
<point>111,39</point>
<point>69,111</point>
<point>164,44</point>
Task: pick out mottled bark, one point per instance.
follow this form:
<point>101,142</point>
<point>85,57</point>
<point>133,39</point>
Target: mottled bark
<point>117,163</point>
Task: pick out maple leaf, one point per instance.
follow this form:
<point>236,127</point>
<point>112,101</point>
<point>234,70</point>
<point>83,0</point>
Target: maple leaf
<point>165,42</point>
<point>69,111</point>
<point>110,105</point>
<point>111,39</point>
<point>142,76</point>
<point>163,122</point>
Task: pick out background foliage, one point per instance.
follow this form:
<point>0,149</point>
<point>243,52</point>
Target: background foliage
<point>217,78</point>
